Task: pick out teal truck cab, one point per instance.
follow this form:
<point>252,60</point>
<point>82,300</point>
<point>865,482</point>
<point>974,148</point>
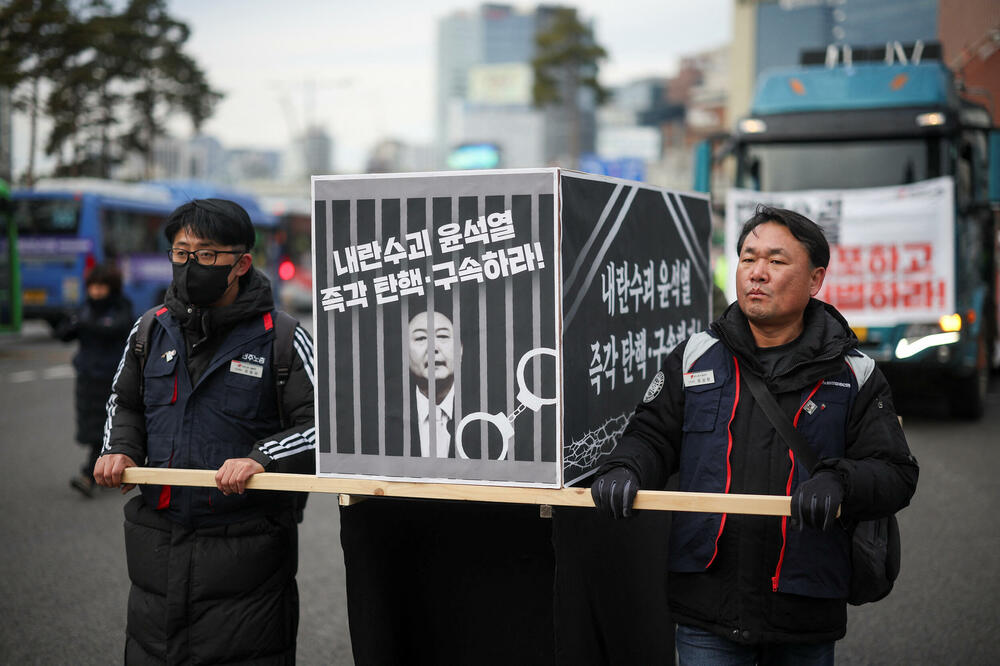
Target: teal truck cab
<point>901,171</point>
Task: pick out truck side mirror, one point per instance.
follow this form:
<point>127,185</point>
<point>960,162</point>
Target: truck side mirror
<point>995,167</point>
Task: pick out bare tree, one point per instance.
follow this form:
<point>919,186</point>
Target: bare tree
<point>32,49</point>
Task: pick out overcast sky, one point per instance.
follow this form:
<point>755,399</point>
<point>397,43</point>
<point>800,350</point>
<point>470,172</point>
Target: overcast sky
<point>370,65</point>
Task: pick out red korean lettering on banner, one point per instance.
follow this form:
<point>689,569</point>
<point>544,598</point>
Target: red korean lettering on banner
<point>883,295</point>
<point>848,296</point>
<point>884,276</point>
<point>918,258</point>
<point>882,259</point>
<point>917,294</point>
<point>849,260</point>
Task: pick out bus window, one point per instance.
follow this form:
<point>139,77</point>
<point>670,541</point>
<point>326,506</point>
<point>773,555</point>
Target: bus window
<point>46,216</point>
<point>127,232</point>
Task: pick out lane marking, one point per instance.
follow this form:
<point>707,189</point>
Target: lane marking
<point>59,372</point>
<point>64,371</point>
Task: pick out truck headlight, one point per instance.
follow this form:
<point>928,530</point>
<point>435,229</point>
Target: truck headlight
<point>951,323</point>
<point>752,126</point>
<point>908,347</point>
<point>931,119</point>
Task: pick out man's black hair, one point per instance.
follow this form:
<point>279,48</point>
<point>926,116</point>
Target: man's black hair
<point>219,220</point>
<point>805,231</point>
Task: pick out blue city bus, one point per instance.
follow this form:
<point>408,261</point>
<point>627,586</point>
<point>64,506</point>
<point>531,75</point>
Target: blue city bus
<point>66,226</point>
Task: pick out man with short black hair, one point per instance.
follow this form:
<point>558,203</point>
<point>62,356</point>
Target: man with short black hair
<point>754,589</point>
<point>212,569</point>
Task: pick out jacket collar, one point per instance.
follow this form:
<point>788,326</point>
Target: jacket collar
<point>254,298</point>
<point>245,331</point>
<point>825,339</point>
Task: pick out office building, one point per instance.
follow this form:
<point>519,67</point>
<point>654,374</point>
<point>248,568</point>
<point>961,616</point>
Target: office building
<point>970,42</point>
<point>484,82</point>
<point>312,153</point>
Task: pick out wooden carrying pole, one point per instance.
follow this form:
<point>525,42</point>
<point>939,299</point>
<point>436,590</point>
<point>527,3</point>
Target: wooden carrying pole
<point>660,500</point>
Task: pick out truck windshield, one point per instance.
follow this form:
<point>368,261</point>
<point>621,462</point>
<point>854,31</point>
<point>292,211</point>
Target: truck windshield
<point>834,165</point>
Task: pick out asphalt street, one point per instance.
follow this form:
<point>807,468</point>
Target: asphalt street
<point>63,580</point>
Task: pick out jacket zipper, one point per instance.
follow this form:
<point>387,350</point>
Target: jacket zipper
<point>729,451</point>
<point>776,579</point>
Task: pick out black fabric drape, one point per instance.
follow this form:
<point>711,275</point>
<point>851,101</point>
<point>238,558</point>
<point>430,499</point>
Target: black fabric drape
<point>433,582</point>
<point>437,582</point>
<point>610,588</point>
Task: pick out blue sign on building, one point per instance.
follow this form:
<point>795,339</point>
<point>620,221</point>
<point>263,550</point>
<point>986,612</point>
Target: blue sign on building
<point>629,168</point>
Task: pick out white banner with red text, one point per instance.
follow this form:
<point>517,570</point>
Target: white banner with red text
<point>892,249</point>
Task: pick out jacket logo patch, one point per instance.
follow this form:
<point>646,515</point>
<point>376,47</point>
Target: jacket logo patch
<point>809,407</point>
<point>169,355</point>
<point>654,387</point>
<point>248,369</point>
<point>253,358</point>
<point>699,378</point>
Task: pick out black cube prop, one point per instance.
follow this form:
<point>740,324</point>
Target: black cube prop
<point>535,306</point>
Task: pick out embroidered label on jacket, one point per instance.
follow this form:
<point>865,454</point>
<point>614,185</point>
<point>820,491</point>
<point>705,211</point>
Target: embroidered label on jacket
<point>654,387</point>
<point>245,368</point>
<point>699,378</point>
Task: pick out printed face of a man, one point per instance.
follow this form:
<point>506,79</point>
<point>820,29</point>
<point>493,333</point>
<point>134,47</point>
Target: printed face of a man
<point>774,277</point>
<point>435,345</point>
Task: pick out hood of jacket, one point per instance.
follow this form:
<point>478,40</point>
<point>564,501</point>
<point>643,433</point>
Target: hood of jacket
<point>826,338</point>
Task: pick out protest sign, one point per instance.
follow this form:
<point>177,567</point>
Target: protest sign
<point>494,327</point>
<point>892,249</point>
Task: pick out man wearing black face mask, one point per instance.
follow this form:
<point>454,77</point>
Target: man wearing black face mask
<point>203,393</point>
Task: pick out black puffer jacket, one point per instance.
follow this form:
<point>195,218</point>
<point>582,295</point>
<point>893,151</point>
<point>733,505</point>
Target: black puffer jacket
<point>213,576</point>
<point>217,595</point>
<point>731,591</point>
<point>101,328</point>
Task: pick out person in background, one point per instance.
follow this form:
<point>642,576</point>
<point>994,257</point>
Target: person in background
<point>101,325</point>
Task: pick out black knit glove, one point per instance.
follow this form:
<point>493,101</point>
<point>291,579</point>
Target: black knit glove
<point>614,491</point>
<point>816,501</point>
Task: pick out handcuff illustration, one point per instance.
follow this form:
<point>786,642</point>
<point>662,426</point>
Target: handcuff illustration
<point>503,422</point>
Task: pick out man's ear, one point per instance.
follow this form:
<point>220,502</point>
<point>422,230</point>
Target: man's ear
<point>243,265</point>
<point>816,280</point>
